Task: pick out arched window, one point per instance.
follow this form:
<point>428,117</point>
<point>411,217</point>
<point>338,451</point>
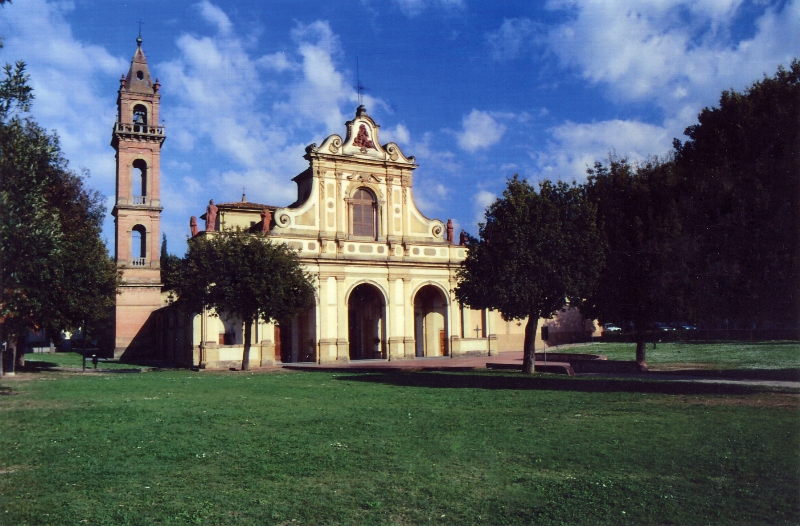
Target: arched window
<point>139,182</point>
<point>363,208</point>
<point>140,114</point>
<point>138,246</point>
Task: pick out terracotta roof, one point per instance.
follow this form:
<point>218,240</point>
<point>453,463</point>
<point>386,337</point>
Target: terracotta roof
<point>246,206</point>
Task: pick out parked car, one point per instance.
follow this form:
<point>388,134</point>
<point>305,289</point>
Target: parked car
<point>659,326</point>
<point>610,327</point>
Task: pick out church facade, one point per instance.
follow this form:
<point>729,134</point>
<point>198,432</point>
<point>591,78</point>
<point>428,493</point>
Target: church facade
<point>384,273</point>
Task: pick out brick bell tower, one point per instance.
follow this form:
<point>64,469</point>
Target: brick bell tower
<point>137,138</point>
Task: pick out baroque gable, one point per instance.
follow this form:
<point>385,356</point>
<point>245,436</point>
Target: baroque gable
<point>353,183</point>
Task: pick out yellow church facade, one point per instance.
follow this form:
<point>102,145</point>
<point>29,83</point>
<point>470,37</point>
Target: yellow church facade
<point>384,273</point>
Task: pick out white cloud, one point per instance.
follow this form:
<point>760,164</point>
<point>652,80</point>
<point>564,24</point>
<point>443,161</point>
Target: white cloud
<point>575,147</point>
<point>67,76</point>
<point>276,62</point>
<point>480,130</point>
<point>676,53</point>
<point>412,8</point>
<point>480,202</point>
<point>214,15</point>
<point>399,135</point>
<point>514,36</point>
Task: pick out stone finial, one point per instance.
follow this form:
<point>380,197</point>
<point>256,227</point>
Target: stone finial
<point>156,86</point>
<point>193,225</point>
<point>122,81</point>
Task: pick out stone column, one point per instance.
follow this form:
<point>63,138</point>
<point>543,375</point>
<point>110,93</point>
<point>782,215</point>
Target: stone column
<point>327,321</point>
<point>408,310</point>
<point>395,317</point>
<point>342,344</point>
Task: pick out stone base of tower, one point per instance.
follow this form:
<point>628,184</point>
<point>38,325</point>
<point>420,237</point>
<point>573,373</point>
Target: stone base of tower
<point>135,331</point>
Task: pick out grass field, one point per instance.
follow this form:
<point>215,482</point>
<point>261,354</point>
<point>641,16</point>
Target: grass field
<point>717,355</point>
<point>181,447</point>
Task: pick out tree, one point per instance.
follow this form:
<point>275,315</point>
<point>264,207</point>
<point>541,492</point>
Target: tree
<point>740,172</point>
<point>535,251</point>
<point>244,275</point>
<point>55,270</point>
<point>643,279</point>
<point>170,267</point>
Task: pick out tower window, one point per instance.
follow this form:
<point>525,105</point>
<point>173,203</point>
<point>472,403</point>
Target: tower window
<point>139,182</point>
<point>363,208</point>
<point>138,246</point>
<point>140,114</point>
<point>139,75</point>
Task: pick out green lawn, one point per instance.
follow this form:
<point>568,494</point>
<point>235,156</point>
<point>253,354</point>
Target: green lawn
<point>724,355</point>
<point>180,447</point>
<point>46,361</point>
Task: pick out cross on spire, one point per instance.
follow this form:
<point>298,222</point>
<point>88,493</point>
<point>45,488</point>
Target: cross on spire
<point>139,38</point>
<point>359,87</point>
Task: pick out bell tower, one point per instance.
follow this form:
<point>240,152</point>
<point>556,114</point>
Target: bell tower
<point>137,138</point>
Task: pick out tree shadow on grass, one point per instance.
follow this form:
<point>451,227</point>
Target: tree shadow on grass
<point>542,383</point>
<point>781,375</point>
<point>39,366</point>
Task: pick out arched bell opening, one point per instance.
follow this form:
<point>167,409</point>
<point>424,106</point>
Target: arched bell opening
<point>139,117</point>
<point>139,182</point>
<point>430,322</point>
<point>366,323</point>
<point>138,246</point>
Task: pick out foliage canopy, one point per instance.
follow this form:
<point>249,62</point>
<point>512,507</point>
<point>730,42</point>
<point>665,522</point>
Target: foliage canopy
<point>536,251</point>
<point>243,275</point>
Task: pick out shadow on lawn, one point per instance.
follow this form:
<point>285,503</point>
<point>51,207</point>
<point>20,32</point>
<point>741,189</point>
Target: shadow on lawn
<point>541,383</point>
<point>781,375</point>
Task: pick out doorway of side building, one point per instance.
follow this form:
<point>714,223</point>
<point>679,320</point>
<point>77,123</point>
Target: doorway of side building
<point>430,322</point>
<point>366,323</point>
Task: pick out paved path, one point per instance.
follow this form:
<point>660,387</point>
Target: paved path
<point>515,358</point>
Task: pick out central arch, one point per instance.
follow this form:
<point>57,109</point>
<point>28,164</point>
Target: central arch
<point>366,323</point>
<point>430,322</point>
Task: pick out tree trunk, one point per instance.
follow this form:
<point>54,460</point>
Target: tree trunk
<point>248,331</point>
<point>19,354</point>
<point>641,348</point>
<point>530,344</point>
<point>10,356</point>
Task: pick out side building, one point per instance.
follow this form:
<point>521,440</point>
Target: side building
<point>384,273</point>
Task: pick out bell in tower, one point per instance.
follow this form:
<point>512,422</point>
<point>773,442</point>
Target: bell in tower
<point>137,138</point>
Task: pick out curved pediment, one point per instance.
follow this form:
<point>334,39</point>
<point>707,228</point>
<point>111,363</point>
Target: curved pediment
<point>361,140</point>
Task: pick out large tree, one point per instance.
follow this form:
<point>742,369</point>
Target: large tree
<point>243,275</point>
<point>740,170</point>
<point>56,271</point>
<point>535,251</point>
<point>643,279</point>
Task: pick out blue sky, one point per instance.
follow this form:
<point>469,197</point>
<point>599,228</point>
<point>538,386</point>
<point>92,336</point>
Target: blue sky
<point>475,90</point>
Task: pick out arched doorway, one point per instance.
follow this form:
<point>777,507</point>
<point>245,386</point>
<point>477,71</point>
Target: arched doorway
<point>430,322</point>
<point>366,323</point>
